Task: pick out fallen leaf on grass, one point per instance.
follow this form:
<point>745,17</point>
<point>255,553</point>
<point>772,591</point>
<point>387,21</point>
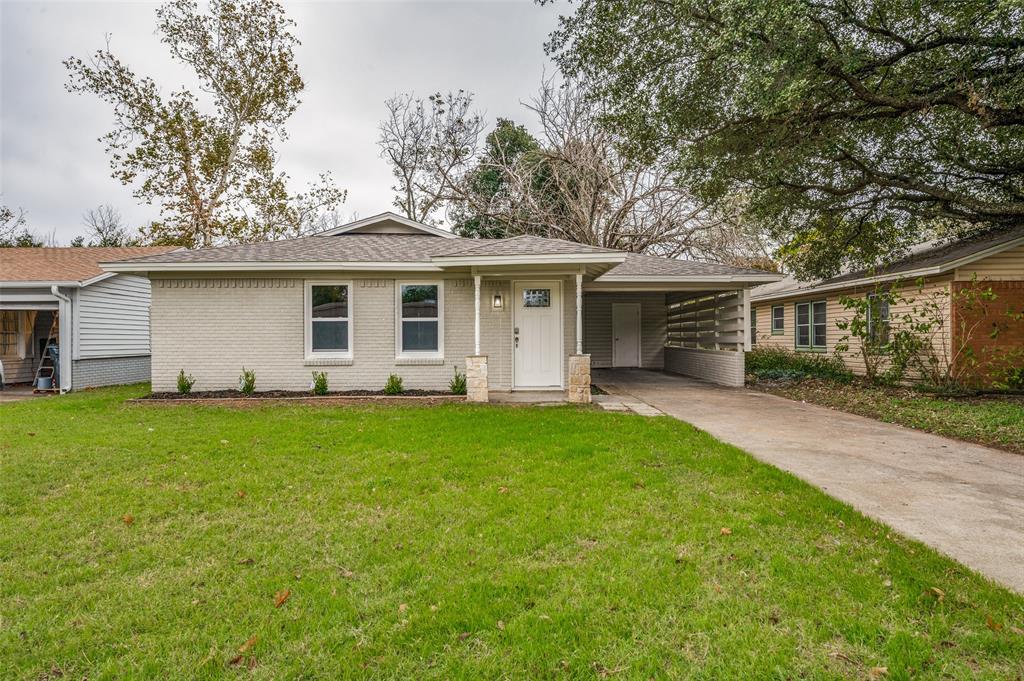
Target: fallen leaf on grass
<point>464,635</point>
<point>878,672</point>
<point>725,531</point>
<point>246,561</point>
<point>244,648</point>
<point>347,574</point>
<point>501,625</point>
<point>503,490</point>
<point>402,607</point>
<point>992,624</point>
<point>241,494</point>
<point>937,593</point>
<point>281,597</point>
<point>128,519</point>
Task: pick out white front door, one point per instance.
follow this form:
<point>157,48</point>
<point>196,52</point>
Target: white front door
<point>537,334</point>
<point>625,334</point>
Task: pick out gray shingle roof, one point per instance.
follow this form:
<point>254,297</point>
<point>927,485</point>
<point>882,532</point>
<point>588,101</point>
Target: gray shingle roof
<point>637,265</point>
<point>413,248</point>
<point>927,255</point>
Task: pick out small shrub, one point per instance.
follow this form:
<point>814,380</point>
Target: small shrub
<point>319,384</point>
<point>394,385</point>
<point>247,381</point>
<point>185,383</point>
<point>775,364</point>
<point>458,383</point>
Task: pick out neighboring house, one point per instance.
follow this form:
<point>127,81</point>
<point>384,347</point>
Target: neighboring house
<point>98,320</point>
<point>802,316</point>
<point>389,295</point>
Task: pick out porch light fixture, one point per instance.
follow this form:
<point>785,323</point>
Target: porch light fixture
<point>497,303</point>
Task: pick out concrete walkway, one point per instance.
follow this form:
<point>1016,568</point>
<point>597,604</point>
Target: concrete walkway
<point>965,500</point>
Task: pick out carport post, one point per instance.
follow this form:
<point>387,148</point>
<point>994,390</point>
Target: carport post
<point>579,314</point>
<point>476,319</point>
<point>745,293</point>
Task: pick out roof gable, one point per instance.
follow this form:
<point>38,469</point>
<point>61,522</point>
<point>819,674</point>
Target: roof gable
<point>387,223</point>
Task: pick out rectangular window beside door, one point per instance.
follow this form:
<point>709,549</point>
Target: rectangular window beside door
<point>328,325</point>
<point>811,323</point>
<point>420,319</point>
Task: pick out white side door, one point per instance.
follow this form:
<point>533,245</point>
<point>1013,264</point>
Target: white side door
<point>537,334</point>
<point>625,334</point>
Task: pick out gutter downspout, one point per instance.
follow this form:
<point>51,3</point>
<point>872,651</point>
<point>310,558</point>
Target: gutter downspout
<point>64,312</point>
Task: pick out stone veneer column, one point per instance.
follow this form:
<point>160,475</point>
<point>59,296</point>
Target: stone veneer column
<point>579,379</point>
<point>476,378</point>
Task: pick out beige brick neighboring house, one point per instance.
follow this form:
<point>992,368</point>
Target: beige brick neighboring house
<point>935,273</point>
<point>389,295</point>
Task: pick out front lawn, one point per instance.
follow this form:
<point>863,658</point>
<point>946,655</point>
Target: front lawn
<point>993,420</point>
<point>459,541</point>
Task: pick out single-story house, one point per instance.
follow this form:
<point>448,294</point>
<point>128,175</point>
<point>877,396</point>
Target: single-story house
<point>388,295</point>
<point>803,315</point>
<point>86,326</point>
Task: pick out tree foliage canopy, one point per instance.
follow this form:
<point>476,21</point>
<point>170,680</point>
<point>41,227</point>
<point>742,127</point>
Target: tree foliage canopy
<point>855,127</point>
<point>208,159</point>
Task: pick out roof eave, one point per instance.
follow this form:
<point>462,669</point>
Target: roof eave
<point>534,259</point>
<point>262,265</point>
<point>693,279</point>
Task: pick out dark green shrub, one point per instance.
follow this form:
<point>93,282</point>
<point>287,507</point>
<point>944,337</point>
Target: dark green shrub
<point>185,383</point>
<point>394,385</point>
<point>319,385</point>
<point>775,364</point>
<point>247,381</point>
<point>458,383</point>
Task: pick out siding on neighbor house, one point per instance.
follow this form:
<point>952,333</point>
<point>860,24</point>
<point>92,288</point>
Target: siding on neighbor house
<point>935,290</point>
<point>597,327</point>
<point>1005,266</point>
<point>112,318</point>
<point>212,327</point>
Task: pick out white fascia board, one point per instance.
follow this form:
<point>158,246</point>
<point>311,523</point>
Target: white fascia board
<point>39,284</point>
<point>695,279</point>
<point>264,266</point>
<point>553,259</point>
<point>933,271</point>
<point>394,217</point>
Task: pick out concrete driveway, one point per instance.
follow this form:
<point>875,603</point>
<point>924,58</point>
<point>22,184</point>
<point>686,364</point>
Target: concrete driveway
<point>965,500</point>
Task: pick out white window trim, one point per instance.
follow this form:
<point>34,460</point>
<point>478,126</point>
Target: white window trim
<point>308,319</point>
<point>419,354</point>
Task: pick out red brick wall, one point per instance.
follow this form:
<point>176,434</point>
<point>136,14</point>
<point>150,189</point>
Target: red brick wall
<point>988,349</point>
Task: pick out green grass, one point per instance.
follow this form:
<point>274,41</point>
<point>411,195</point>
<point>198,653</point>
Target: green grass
<point>451,542</point>
<point>996,421</point>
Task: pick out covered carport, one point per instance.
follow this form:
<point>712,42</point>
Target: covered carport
<point>682,317</point>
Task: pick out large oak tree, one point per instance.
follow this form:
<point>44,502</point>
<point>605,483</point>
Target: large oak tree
<point>852,127</point>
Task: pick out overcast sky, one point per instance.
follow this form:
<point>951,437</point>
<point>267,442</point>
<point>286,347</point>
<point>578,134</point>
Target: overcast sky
<point>353,56</point>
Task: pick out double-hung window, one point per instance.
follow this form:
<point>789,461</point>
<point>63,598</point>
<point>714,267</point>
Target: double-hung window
<point>778,320</point>
<point>328,319</point>
<point>420,319</point>
<point>810,325</point>
<point>878,319</point>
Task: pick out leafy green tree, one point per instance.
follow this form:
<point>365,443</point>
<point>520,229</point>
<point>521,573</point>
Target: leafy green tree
<point>853,126</point>
<point>13,230</point>
<point>212,171</point>
<point>488,188</point>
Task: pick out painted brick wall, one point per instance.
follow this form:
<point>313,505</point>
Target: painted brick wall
<point>93,373</point>
<point>213,326</point>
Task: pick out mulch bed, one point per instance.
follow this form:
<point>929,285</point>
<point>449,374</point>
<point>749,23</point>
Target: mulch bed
<point>292,394</point>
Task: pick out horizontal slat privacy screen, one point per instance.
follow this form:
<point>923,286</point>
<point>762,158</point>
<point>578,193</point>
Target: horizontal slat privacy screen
<point>709,322</point>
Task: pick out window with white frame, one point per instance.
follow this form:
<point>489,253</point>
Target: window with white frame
<point>420,318</point>
<point>811,326</point>
<point>878,319</point>
<point>778,320</point>
<point>328,325</point>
